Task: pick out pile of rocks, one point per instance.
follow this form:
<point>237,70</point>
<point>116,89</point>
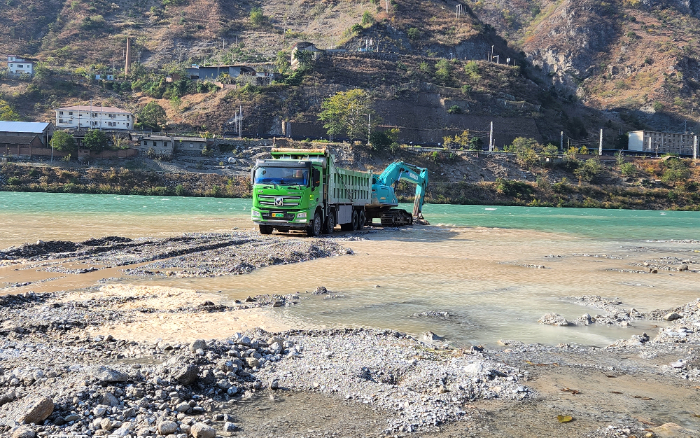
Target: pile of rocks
<point>103,386</point>
<point>189,255</point>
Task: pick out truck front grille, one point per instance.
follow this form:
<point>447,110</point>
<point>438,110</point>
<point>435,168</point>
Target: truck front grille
<point>279,201</point>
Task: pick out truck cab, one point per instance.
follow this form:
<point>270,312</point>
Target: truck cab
<point>302,189</point>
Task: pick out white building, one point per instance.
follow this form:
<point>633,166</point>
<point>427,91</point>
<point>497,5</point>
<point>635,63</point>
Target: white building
<point>654,142</point>
<point>18,66</point>
<point>94,117</point>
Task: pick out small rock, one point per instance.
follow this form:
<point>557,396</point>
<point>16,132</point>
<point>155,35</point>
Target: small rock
<point>110,400</point>
<point>201,430</point>
<point>252,362</point>
<point>105,374</point>
<point>275,384</point>
<point>23,432</point>
<point>230,427</point>
<point>320,290</point>
<point>186,374</point>
<point>430,337</point>
<point>683,267</point>
<point>167,427</point>
<point>183,407</point>
<point>199,344</point>
<point>106,424</point>
<point>7,397</point>
<point>672,316</point>
<point>554,319</point>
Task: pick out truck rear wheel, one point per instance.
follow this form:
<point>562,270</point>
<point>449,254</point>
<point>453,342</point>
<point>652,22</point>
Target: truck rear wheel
<point>362,219</point>
<point>330,223</point>
<point>355,220</point>
<point>316,226</point>
<point>265,229</point>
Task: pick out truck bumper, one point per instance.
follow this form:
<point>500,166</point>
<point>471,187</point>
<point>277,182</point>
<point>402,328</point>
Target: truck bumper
<point>290,219</point>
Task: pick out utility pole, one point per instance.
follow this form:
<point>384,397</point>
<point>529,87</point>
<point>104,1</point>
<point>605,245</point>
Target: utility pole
<point>369,127</point>
<point>240,122</point>
<point>695,147</point>
<point>491,138</point>
<point>561,142</point>
<point>600,146</point>
<point>649,143</point>
<point>386,5</point>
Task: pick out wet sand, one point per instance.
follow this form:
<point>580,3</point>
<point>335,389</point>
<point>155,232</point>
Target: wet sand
<point>630,387</point>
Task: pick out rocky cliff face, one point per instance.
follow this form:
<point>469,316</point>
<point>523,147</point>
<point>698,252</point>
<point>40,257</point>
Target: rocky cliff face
<point>567,44</point>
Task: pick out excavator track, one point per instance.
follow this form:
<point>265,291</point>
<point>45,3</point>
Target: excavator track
<point>396,218</point>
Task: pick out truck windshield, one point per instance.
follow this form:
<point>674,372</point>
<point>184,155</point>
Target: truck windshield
<point>282,176</point>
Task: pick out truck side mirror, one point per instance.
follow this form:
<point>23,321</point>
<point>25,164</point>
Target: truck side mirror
<point>252,176</point>
<point>315,178</point>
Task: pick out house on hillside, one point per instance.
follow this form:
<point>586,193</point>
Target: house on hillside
<point>94,117</point>
<point>655,142</point>
<point>303,46</point>
<point>19,138</point>
<point>164,145</point>
<point>213,72</point>
<point>42,131</point>
<point>158,145</point>
<point>17,66</point>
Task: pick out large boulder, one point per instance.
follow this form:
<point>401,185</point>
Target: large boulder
<point>36,411</point>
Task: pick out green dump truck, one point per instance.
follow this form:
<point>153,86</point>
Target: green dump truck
<point>303,189</point>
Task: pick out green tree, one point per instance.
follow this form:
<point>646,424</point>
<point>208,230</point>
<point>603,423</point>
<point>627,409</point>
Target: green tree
<point>381,140</point>
<point>348,112</point>
<point>257,18</point>
<point>282,62</point>
<point>304,57</point>
<point>95,140</point>
<point>590,169</point>
<point>63,141</point>
<point>151,115</point>
<point>550,151</point>
<point>628,169</point>
<point>413,33</point>
<point>443,71</point>
<point>7,113</point>
<point>676,170</point>
<point>367,19</point>
<point>525,150</point>
<point>471,68</point>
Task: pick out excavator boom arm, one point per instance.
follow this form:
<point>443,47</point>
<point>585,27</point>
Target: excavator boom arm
<point>398,171</point>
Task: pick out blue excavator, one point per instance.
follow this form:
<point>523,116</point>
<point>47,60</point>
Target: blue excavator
<point>384,197</point>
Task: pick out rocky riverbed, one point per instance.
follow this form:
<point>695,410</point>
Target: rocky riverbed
<point>141,360</point>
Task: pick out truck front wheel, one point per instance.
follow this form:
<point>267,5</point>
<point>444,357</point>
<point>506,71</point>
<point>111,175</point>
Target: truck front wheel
<point>316,226</point>
<point>265,229</point>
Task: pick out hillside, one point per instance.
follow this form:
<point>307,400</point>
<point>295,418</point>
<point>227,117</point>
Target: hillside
<point>581,64</point>
<point>636,58</point>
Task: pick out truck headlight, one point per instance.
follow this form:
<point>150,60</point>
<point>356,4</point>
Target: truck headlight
<point>301,215</point>
<point>255,213</point>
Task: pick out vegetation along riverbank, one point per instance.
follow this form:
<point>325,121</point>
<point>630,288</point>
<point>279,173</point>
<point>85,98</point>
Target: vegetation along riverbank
<point>525,175</point>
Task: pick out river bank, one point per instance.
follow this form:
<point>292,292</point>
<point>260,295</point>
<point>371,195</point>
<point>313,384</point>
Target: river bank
<point>531,189</point>
<point>122,357</point>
